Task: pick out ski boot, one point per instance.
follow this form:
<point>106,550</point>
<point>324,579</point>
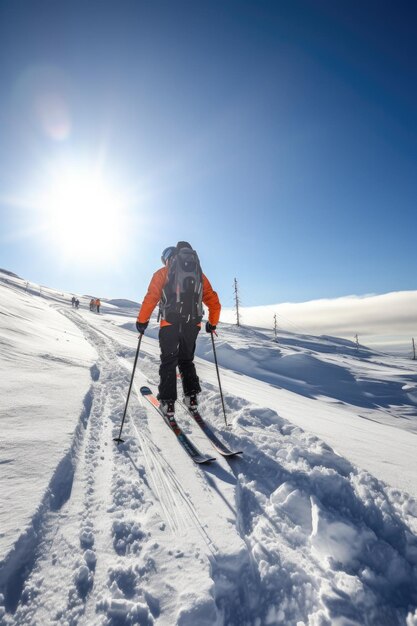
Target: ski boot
<point>167,408</point>
<point>191,401</point>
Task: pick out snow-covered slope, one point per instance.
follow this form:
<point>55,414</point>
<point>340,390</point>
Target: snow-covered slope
<point>302,529</point>
<point>46,369</point>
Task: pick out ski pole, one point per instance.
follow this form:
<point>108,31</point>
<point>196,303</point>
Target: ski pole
<point>119,439</point>
<point>218,378</point>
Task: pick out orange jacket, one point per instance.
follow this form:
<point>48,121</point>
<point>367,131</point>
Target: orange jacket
<point>154,294</point>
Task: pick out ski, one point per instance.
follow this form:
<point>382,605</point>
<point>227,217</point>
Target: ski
<point>186,443</point>
<point>214,440</point>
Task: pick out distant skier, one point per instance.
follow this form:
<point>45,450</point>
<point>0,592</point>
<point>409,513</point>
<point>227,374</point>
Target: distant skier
<point>180,287</point>
<point>77,303</point>
<point>98,303</point>
<point>92,304</point>
<point>73,301</point>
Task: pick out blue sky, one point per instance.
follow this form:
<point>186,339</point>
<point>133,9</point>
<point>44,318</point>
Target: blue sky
<point>279,138</point>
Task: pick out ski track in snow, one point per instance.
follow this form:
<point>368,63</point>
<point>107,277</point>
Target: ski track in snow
<point>177,507</point>
<point>72,534</point>
<point>288,534</point>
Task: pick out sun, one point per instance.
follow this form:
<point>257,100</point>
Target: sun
<point>84,217</point>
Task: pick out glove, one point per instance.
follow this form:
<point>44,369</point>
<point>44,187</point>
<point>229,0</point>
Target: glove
<point>210,328</point>
<point>141,326</point>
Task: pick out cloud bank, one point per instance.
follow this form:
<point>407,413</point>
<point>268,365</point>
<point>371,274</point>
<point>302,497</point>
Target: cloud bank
<point>388,320</point>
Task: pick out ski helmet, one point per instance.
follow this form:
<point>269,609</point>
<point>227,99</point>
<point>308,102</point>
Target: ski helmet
<point>167,253</point>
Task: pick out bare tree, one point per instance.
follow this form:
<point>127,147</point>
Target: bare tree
<point>237,303</point>
<point>275,327</point>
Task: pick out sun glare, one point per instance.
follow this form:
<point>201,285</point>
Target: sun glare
<point>84,217</point>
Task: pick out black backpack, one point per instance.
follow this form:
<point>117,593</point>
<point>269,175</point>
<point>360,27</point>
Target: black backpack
<point>183,290</point>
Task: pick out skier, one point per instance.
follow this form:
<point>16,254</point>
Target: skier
<point>77,303</point>
<point>98,303</point>
<point>73,301</point>
<point>92,304</point>
<point>181,313</point>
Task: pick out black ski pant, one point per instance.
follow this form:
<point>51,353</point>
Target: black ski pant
<point>177,343</point>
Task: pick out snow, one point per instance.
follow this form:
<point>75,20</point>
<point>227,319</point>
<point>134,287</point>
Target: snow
<point>314,525</point>
<point>45,369</point>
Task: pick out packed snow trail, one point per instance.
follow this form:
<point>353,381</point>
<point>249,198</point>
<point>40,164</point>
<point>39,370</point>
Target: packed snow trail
<point>288,534</point>
<point>102,522</point>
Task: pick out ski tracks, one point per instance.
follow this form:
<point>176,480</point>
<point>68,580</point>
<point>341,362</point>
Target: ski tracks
<point>121,542</point>
<point>66,571</point>
<point>192,542</point>
<point>178,510</point>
